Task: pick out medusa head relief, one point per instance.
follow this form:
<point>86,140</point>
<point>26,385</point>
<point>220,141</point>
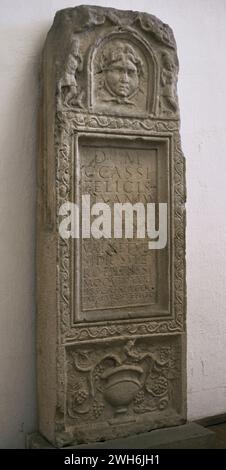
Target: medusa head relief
<point>121,78</point>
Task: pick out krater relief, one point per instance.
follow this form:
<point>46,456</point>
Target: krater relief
<point>111,305</point>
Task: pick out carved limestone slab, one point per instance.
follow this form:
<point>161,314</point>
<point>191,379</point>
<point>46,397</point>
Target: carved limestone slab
<point>111,311</point>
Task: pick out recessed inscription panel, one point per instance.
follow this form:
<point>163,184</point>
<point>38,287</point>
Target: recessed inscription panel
<point>122,278</point>
<point>114,309</point>
<point>118,274</point>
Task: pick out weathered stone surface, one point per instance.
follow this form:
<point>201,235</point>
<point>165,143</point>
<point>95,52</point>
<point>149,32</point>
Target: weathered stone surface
<point>111,312</point>
<point>186,436</point>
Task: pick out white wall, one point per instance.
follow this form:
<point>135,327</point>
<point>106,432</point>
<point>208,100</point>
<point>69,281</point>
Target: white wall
<point>200,31</point>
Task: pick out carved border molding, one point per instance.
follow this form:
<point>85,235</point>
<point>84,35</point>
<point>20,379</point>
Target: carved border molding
<point>65,130</point>
<point>72,122</point>
<point>66,127</point>
<point>78,99</point>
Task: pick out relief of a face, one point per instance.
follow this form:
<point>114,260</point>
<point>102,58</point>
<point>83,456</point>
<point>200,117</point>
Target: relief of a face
<point>122,77</point>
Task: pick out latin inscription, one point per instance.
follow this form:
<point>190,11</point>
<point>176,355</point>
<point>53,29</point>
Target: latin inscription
<point>121,273</point>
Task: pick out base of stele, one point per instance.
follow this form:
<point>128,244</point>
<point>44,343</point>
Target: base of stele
<point>186,436</point>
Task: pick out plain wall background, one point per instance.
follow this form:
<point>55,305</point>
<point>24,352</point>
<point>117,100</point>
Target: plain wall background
<point>200,30</point>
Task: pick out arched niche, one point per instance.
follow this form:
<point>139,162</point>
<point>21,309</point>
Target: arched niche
<point>122,76</point>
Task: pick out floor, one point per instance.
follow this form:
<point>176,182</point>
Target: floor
<point>220,430</point>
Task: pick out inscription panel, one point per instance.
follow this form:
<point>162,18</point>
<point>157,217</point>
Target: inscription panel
<point>122,278</point>
<point>113,308</point>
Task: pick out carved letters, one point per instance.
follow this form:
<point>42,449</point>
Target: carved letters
<point>111,312</point>
<point>120,273</point>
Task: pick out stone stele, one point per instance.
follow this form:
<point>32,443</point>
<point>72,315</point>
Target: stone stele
<point>111,312</point>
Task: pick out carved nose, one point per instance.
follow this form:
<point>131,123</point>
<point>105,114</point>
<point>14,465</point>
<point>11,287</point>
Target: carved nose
<point>124,77</point>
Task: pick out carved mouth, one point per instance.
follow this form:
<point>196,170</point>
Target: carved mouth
<point>123,89</point>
